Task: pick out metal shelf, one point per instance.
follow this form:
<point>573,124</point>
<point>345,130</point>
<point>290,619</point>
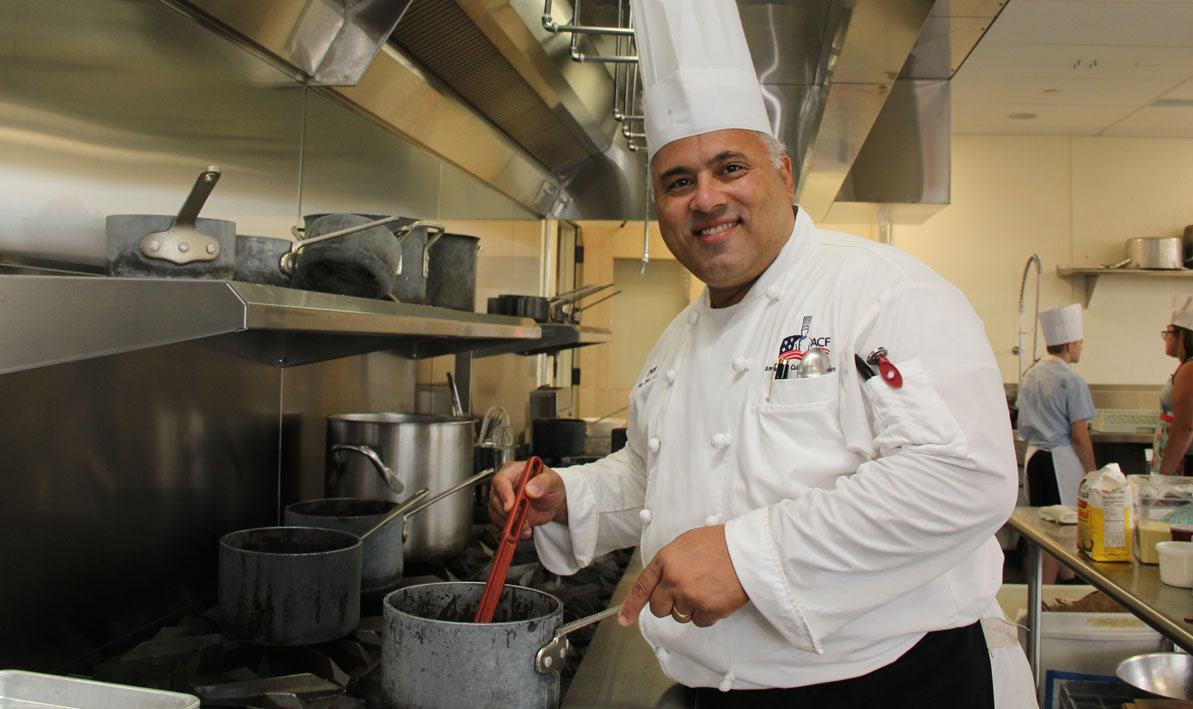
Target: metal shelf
<point>1090,276</point>
<point>555,337</point>
<point>54,319</point>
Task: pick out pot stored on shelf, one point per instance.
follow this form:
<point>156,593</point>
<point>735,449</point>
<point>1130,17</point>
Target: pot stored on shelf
<point>1156,252</point>
<point>259,259</point>
<point>182,246</point>
<point>377,455</point>
<point>347,254</point>
<point>451,276</point>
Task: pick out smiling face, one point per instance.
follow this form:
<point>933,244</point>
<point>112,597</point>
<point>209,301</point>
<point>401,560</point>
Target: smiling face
<point>724,208</point>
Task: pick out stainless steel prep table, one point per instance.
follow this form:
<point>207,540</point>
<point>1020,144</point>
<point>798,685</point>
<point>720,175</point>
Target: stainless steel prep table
<point>1136,587</point>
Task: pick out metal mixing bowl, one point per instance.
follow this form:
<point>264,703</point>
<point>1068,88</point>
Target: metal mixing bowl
<point>1167,675</point>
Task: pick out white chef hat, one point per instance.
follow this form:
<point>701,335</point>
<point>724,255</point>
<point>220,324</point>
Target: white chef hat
<point>1061,325</point>
<point>697,75</point>
<point>1182,311</point>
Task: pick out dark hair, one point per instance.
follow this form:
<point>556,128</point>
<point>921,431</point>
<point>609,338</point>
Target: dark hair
<point>1055,349</point>
<point>1184,342</point>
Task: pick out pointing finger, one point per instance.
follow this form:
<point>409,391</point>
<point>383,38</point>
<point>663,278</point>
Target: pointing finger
<point>639,595</point>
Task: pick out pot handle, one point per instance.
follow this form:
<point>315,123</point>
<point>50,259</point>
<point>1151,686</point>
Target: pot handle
<point>182,242</point>
<point>550,657</point>
<point>405,505</point>
<point>474,480</point>
<point>288,259</point>
<point>438,231</point>
<point>391,478</point>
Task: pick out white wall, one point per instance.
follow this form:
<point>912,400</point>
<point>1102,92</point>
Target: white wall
<point>1073,201</point>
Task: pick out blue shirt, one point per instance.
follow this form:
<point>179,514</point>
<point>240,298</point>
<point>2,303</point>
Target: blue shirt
<point>1051,398</point>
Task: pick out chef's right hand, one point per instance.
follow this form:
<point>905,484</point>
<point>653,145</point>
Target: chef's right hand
<point>547,495</point>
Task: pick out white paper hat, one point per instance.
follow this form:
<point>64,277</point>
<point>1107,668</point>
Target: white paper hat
<point>1182,311</point>
<point>1061,325</point>
<point>697,75</point>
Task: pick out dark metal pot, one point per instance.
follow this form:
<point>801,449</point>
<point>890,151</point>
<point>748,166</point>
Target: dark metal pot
<point>381,555</point>
<point>433,655</point>
<point>359,263</point>
<point>296,585</point>
<point>289,585</point>
<point>451,278</point>
<point>434,452</point>
<point>617,439</point>
<point>410,284</point>
<point>259,259</point>
<point>558,438</point>
<point>382,558</point>
<point>182,246</point>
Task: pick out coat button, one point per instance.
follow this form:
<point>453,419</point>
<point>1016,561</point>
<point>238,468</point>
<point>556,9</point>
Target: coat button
<point>670,376</point>
<point>740,364</point>
<point>693,316</point>
<point>720,440</point>
<point>726,683</point>
<point>645,515</point>
<point>712,520</point>
<point>661,653</point>
<point>654,444</point>
<point>773,293</point>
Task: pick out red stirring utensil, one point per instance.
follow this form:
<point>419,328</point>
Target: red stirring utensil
<point>509,540</point>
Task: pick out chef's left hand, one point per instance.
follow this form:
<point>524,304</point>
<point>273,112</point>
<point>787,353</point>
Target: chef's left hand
<point>693,575</point>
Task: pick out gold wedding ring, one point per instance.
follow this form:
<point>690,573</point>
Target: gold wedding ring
<point>680,617</point>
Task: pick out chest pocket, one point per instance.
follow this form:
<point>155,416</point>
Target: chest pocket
<point>913,416</point>
<point>786,395</point>
<point>797,434</point>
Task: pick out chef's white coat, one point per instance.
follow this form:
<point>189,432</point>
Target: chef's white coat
<point>858,516</point>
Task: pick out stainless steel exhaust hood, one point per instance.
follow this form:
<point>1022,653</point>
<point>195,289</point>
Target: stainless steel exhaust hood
<point>539,127</point>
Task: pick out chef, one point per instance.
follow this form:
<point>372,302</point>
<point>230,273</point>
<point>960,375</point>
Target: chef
<point>1054,410</point>
<point>809,540</point>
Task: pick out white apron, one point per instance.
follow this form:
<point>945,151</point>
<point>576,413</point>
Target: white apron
<point>1069,471</point>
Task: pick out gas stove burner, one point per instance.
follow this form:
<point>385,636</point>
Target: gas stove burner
<point>194,656</point>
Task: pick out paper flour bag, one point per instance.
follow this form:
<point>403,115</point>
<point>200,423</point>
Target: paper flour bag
<point>1104,515</point>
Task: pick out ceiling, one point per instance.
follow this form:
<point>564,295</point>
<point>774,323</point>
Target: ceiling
<point>1081,67</point>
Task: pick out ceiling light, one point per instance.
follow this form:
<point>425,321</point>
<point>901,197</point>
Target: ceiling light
<point>1023,116</point>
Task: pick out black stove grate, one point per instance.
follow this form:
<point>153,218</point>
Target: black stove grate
<point>194,656</point>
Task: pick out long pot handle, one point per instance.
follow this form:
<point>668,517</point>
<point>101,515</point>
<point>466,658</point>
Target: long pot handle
<point>182,242</point>
<point>474,480</point>
<point>391,478</point>
<point>287,263</point>
<point>401,508</point>
<point>550,656</point>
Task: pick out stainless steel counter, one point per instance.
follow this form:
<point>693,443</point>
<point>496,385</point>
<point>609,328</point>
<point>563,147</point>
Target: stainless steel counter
<point>1136,587</point>
<point>619,669</point>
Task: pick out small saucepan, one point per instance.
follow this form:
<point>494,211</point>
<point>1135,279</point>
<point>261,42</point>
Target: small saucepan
<point>259,259</point>
<point>182,246</point>
<point>382,557</point>
<point>295,585</point>
<point>434,656</point>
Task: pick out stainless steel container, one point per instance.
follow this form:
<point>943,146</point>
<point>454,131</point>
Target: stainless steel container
<point>434,452</point>
<point>433,655</point>
<point>1156,252</point>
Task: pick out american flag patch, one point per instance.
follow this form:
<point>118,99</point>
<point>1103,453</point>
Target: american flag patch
<point>789,349</point>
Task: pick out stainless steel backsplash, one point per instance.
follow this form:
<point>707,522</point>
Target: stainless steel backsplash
<point>120,473</point>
